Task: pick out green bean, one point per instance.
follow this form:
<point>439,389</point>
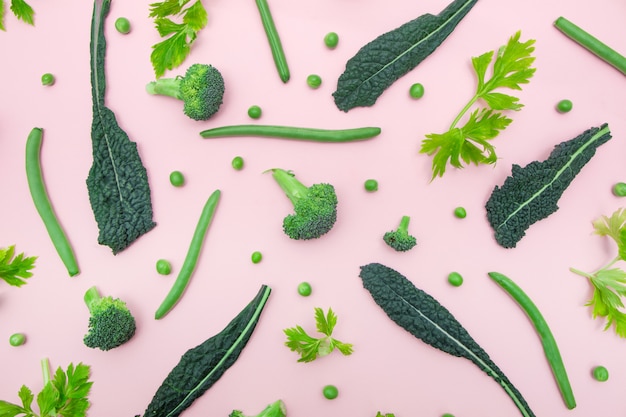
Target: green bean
<point>274,40</point>
<point>191,259</point>
<point>550,347</point>
<point>40,197</point>
<point>291,132</point>
<point>591,43</point>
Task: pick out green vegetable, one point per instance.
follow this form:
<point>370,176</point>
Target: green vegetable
<point>276,45</point>
<point>416,91</point>
<point>291,132</point>
<point>460,212</point>
<point>256,257</point>
<point>600,373</point>
<point>609,282</point>
<point>421,315</point>
<point>315,207</point>
<point>331,40</point>
<point>314,81</point>
<point>64,395</point>
<point>22,10</point>
<point>200,367</point>
<point>370,185</point>
<point>591,43</point>
<point>379,414</point>
<point>400,239</point>
<point>111,324</point>
<point>330,392</point>
<point>177,178</point>
<point>309,347</point>
<point>15,269</point>
<point>118,187</point>
<point>304,289</point>
<point>391,55</point>
<point>619,189</point>
<point>17,339</point>
<point>237,163</point>
<point>191,259</point>
<point>447,415</point>
<point>275,409</point>
<point>163,267</point>
<point>255,112</point>
<point>122,25</point>
<point>40,197</point>
<point>469,143</point>
<point>531,193</point>
<point>172,52</point>
<point>564,106</point>
<point>455,279</point>
<point>550,348</point>
<point>47,79</point>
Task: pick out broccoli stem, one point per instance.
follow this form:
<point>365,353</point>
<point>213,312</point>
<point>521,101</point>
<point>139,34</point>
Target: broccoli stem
<point>294,189</point>
<point>404,224</point>
<point>165,87</point>
<point>91,296</point>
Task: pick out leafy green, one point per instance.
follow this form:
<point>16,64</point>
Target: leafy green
<point>531,193</point>
<point>172,51</point>
<point>200,367</point>
<point>421,315</point>
<point>15,269</point>
<point>118,187</point>
<point>471,142</point>
<point>310,347</point>
<point>609,283</point>
<point>22,10</point>
<point>384,60</point>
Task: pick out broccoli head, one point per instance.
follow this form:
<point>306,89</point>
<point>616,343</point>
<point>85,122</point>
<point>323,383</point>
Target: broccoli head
<point>276,409</point>
<point>201,90</point>
<point>315,207</point>
<point>111,323</point>
<point>400,239</point>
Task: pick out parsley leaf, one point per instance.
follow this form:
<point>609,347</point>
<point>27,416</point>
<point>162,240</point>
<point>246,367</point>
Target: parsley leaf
<point>14,270</point>
<point>470,143</point>
<point>310,347</point>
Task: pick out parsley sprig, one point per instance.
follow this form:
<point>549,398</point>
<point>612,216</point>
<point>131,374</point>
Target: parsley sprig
<point>172,51</point>
<point>310,347</point>
<point>22,10</point>
<point>609,282</point>
<point>14,270</point>
<point>470,143</point>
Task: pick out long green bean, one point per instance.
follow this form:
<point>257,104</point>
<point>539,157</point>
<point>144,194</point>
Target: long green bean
<point>292,132</point>
<point>276,45</point>
<point>40,197</point>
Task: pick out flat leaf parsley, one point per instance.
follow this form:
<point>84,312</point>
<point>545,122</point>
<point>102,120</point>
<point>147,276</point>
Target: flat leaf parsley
<point>470,143</point>
<point>14,270</point>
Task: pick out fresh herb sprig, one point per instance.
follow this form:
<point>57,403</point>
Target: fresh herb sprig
<point>609,282</point>
<point>22,10</point>
<point>172,51</point>
<point>310,347</point>
<point>15,269</point>
<point>470,142</point>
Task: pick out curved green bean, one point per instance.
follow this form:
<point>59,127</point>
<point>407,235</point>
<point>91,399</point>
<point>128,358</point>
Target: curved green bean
<point>274,40</point>
<point>292,132</point>
<point>40,197</point>
<point>189,264</point>
<point>550,347</point>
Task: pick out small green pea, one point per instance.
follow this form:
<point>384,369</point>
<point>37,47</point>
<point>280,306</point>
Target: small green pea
<point>564,106</point>
<point>122,25</point>
<point>460,212</point>
<point>447,415</point>
<point>371,185</point>
<point>416,91</point>
<point>456,279</point>
<point>163,267</point>
<point>330,392</point>
<point>47,79</point>
<point>17,339</point>
<point>619,189</point>
<point>254,112</point>
<point>600,373</point>
<point>331,40</point>
<point>177,179</point>
<point>256,257</point>
<point>314,81</point>
<point>237,163</point>
<point>304,289</point>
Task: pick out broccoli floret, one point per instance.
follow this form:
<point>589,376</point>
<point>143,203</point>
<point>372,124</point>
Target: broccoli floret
<point>276,409</point>
<point>315,207</point>
<point>400,239</point>
<point>111,323</point>
<point>201,90</point>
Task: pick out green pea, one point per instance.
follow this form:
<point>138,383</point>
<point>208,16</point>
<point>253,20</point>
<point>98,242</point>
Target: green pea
<point>314,81</point>
<point>17,339</point>
<point>331,40</point>
<point>47,79</point>
<point>619,189</point>
<point>460,212</point>
<point>416,91</point>
<point>330,392</point>
<point>177,179</point>
<point>600,373</point>
<point>122,25</point>
<point>237,163</point>
<point>564,106</point>
<point>447,415</point>
<point>456,279</point>
<point>163,267</point>
<point>254,112</point>
<point>256,257</point>
<point>371,185</point>
<point>304,289</point>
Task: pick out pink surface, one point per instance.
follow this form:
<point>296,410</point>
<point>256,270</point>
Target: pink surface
<point>390,370</point>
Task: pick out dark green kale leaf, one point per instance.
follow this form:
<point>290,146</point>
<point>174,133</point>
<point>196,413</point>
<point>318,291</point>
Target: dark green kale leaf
<point>531,193</point>
<point>384,60</point>
<point>200,367</point>
<point>421,315</point>
<point>118,187</point>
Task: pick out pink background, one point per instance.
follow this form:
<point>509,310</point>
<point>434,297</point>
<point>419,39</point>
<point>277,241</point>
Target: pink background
<point>390,370</point>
